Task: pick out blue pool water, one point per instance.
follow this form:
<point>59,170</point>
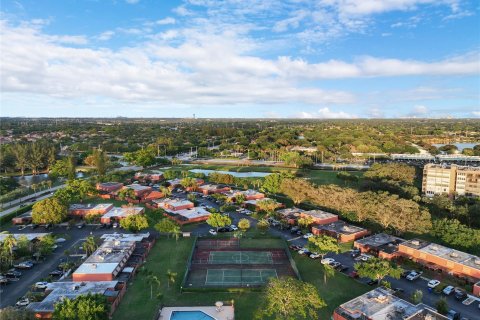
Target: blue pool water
<point>190,315</point>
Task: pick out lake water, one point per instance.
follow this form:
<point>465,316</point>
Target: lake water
<point>235,174</point>
<point>460,146</point>
<point>28,180</point>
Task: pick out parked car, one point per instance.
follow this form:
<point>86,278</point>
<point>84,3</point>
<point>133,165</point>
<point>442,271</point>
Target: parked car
<point>56,273</point>
<point>212,232</point>
<point>342,268</point>
<point>433,283</point>
<point>398,290</point>
<point>295,247</point>
<point>307,235</point>
<point>12,273</point>
<point>41,285</point>
<point>60,240</point>
<point>314,255</point>
<point>294,229</point>
<point>448,290</point>
<point>22,302</point>
<point>115,225</point>
<point>304,251</point>
<point>327,261</point>
<point>335,264</point>
<point>372,282</point>
<point>234,227</point>
<point>405,273</point>
<point>3,280</point>
<point>453,315</point>
<point>414,275</point>
<point>355,253</point>
<point>224,229</point>
<point>24,265</point>
<point>353,274</point>
<point>460,294</point>
<point>80,225</point>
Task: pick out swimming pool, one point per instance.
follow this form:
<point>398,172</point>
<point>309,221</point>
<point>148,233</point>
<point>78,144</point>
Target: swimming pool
<point>190,315</point>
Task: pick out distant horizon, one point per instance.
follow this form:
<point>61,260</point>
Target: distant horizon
<point>336,59</point>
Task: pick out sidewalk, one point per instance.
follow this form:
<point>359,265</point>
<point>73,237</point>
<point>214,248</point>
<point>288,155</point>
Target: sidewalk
<point>25,198</point>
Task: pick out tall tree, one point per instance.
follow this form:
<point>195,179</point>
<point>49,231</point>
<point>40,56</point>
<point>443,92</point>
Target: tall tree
<point>89,245</point>
<point>289,299</point>
<point>50,210</point>
<point>89,307</point>
<point>134,222</point>
<point>217,220</point>
<point>171,277</point>
<point>323,244</point>
<point>126,193</point>
<point>168,226</point>
<point>20,151</point>
<point>377,269</point>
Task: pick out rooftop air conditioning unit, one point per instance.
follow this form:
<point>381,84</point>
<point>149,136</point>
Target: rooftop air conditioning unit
<point>477,261</point>
<point>415,242</point>
<point>454,255</point>
<point>94,266</point>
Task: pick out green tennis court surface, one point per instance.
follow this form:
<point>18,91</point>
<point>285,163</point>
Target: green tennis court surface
<point>229,277</point>
<point>240,257</point>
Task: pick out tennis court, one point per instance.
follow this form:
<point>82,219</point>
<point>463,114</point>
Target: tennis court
<point>236,277</point>
<point>240,257</point>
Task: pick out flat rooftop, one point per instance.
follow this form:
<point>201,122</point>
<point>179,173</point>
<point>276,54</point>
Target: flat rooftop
<point>30,236</point>
<point>319,214</point>
<point>90,206</point>
<point>255,201</point>
<point>123,212</point>
<point>445,253</point>
<point>137,237</point>
<point>138,187</point>
<point>340,227</point>
<point>212,187</point>
<point>177,202</point>
<point>192,213</point>
<point>378,240</point>
<point>290,211</point>
<point>110,184</point>
<point>381,304</point>
<point>71,290</point>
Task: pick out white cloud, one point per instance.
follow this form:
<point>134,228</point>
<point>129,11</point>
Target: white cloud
<point>325,113</point>
<point>476,113</point>
<point>167,20</point>
<point>132,1</point>
<point>104,36</point>
<point>182,11</point>
<point>419,111</point>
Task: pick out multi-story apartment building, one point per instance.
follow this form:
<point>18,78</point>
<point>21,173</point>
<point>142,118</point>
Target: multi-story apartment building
<point>453,179</point>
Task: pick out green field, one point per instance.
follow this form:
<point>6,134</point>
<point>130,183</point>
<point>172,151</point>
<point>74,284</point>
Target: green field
<point>171,255</point>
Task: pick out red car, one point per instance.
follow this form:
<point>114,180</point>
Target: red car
<point>353,274</point>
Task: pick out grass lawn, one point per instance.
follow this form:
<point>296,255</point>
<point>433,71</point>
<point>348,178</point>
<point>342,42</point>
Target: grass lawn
<point>171,255</point>
<point>336,291</point>
<point>322,177</point>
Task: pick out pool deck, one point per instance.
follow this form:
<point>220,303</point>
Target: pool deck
<point>226,312</point>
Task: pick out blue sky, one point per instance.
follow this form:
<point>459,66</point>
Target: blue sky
<point>249,58</point>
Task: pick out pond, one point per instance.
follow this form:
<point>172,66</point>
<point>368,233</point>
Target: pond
<point>460,145</point>
<point>235,174</point>
<point>28,180</point>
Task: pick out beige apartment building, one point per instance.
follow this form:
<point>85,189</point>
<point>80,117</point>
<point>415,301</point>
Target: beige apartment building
<point>452,179</point>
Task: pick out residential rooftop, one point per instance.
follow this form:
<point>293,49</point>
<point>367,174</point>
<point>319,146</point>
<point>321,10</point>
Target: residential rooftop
<point>138,187</point>
<point>90,206</point>
<point>192,213</point>
<point>290,211</point>
<point>137,237</point>
<point>71,290</point>
<point>176,202</point>
<point>444,253</point>
<point>319,214</point>
<point>380,239</point>
<point>381,304</point>
<point>30,236</point>
<point>340,227</point>
<point>123,212</point>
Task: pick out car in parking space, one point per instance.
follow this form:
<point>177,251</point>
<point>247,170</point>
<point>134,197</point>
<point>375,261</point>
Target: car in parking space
<point>56,273</point>
<point>41,285</point>
<point>212,232</point>
<point>24,265</point>
<point>460,294</point>
<point>22,302</point>
<point>327,261</point>
<point>3,280</point>
<point>342,268</point>
<point>307,235</point>
<point>453,315</point>
<point>433,283</point>
<point>80,225</point>
<point>355,253</point>
<point>372,282</point>
<point>304,251</point>
<point>314,255</point>
<point>12,273</point>
<point>414,275</point>
<point>335,264</point>
<point>405,273</point>
<point>234,227</point>
<point>448,290</point>
<point>115,225</point>
<point>353,274</point>
<point>295,247</point>
<point>224,229</point>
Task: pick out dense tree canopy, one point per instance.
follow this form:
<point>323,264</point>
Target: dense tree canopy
<point>84,307</point>
<point>50,210</point>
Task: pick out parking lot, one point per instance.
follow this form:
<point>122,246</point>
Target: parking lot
<point>16,288</point>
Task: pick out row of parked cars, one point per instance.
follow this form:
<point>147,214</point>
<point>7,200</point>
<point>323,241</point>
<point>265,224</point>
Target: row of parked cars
<point>313,255</point>
<point>230,228</point>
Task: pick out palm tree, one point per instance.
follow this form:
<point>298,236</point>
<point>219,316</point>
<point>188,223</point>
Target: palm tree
<point>90,245</point>
<point>171,277</point>
<point>151,280</point>
<point>166,191</point>
<point>328,272</point>
<point>20,151</point>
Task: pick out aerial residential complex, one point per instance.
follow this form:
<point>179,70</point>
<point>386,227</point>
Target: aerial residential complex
<point>451,180</point>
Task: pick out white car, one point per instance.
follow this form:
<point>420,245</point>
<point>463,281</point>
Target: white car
<point>234,227</point>
<point>448,290</point>
<point>302,251</point>
<point>315,255</point>
<point>307,235</point>
<point>41,285</point>
<point>433,283</point>
<point>60,240</point>
<point>327,261</point>
<point>22,302</point>
<point>212,232</point>
<point>413,276</point>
